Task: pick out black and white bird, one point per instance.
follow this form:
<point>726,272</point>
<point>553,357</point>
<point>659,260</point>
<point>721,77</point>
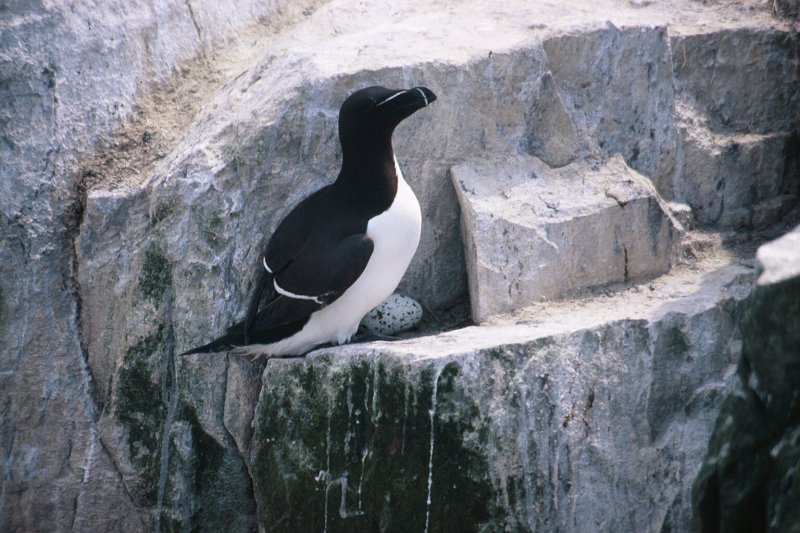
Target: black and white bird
<point>343,250</point>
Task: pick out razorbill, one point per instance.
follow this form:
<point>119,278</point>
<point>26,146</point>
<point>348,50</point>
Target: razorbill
<point>341,251</point>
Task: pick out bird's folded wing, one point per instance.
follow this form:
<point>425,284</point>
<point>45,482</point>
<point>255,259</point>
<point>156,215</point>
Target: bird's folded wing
<point>323,275</point>
<point>313,280</point>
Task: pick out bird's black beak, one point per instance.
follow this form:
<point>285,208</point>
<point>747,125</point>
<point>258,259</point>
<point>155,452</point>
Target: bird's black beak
<point>428,97</point>
<point>404,103</point>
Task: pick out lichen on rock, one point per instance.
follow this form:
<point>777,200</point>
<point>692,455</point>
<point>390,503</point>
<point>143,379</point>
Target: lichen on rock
<point>139,407</point>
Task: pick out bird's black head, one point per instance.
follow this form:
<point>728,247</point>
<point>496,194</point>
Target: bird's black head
<point>370,115</point>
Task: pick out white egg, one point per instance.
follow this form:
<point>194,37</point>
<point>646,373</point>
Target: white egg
<point>397,314</point>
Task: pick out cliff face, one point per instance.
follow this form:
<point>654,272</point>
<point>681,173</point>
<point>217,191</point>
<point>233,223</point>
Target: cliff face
<point>69,76</point>
<point>598,179</point>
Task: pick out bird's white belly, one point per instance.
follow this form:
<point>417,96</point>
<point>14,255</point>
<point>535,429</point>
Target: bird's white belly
<point>395,234</point>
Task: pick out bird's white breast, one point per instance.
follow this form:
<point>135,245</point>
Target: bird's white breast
<point>395,234</point>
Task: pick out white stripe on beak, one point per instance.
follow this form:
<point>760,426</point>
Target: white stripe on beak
<point>423,95</point>
<point>391,98</point>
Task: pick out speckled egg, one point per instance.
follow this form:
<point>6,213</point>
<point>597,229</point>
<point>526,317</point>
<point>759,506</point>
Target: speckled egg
<point>397,314</point>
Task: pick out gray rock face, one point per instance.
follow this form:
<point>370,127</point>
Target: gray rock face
<point>592,71</point>
<point>739,180</point>
<point>738,122</point>
<point>788,8</point>
<point>113,260</point>
<point>749,478</point>
<point>532,233</point>
<point>761,63</point>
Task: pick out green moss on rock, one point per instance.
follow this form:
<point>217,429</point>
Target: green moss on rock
<point>139,407</point>
<point>211,230</point>
<point>162,211</point>
<point>156,274</point>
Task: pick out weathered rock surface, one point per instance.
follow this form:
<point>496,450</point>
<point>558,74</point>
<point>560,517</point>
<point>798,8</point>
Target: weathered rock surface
<point>750,479</point>
<point>788,8</point>
<point>533,233</point>
<point>103,429</point>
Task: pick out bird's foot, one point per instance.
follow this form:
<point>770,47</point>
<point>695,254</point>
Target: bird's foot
<point>368,336</point>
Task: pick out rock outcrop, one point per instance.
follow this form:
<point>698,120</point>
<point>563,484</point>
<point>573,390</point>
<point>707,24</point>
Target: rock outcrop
<point>147,152</point>
<point>542,423</point>
<point>738,156</point>
<point>750,478</point>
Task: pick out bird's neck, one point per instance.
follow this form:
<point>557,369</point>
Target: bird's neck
<point>368,172</point>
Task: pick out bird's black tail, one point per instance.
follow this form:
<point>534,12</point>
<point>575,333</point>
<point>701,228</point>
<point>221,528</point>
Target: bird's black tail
<point>233,338</point>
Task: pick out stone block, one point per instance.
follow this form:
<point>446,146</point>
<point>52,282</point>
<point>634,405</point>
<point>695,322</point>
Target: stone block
<point>531,232</point>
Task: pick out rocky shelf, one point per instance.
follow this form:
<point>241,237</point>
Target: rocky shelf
<point>595,179</point>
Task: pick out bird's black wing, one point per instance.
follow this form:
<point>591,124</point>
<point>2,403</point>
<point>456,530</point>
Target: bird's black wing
<point>313,251</point>
<point>287,243</point>
<point>324,275</point>
<point>308,283</point>
<point>313,220</point>
<point>264,290</point>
